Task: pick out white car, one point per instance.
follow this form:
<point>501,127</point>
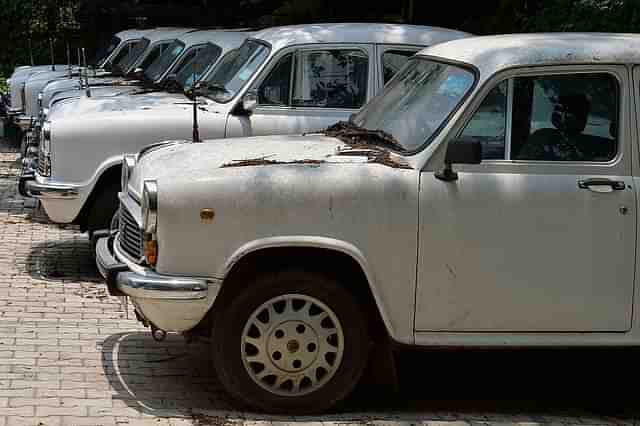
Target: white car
<point>487,197</point>
<point>281,80</point>
<point>119,47</point>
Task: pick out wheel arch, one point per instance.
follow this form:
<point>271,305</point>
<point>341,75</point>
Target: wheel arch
<point>110,171</point>
<point>321,254</point>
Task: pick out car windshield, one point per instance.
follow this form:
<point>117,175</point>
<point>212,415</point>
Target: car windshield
<point>234,70</point>
<point>104,51</point>
<point>133,55</point>
<point>417,102</point>
<point>196,63</point>
<point>164,61</point>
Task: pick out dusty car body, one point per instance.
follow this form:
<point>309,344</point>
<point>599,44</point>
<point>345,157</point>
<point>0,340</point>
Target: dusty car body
<point>142,55</point>
<point>168,72</point>
<point>198,61</point>
<point>487,197</point>
<point>118,48</point>
<point>340,67</point>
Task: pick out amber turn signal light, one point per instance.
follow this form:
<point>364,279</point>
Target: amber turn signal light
<point>151,251</point>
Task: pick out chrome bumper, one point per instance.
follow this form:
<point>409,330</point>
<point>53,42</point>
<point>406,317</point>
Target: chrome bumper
<point>50,190</point>
<point>164,302</point>
<point>145,284</point>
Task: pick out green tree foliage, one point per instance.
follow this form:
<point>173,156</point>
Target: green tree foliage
<point>89,22</point>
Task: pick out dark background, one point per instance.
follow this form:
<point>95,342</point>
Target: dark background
<point>86,23</point>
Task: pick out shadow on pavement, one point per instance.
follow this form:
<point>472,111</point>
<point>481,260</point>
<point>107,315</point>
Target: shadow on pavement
<point>173,379</point>
<point>63,260</point>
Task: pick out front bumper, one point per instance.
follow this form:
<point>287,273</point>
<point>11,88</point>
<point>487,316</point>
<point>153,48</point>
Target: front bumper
<point>170,303</point>
<point>49,190</point>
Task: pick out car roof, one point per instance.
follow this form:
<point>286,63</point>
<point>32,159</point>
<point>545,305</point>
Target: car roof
<point>132,34</point>
<point>166,33</point>
<point>279,37</point>
<point>224,39</point>
<point>492,53</point>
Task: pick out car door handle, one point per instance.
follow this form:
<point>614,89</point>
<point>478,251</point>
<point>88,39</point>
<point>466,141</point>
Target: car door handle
<point>591,183</point>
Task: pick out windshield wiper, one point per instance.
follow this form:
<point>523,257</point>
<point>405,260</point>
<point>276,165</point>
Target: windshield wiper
<point>348,132</point>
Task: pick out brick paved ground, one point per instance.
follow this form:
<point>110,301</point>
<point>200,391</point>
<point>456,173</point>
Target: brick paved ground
<point>72,355</point>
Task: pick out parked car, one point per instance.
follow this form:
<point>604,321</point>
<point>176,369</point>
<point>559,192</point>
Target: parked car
<point>193,53</point>
<point>143,54</point>
<point>485,198</point>
<point>281,80</point>
<point>119,47</point>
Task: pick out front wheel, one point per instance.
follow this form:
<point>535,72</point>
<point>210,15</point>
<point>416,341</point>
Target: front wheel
<point>294,342</point>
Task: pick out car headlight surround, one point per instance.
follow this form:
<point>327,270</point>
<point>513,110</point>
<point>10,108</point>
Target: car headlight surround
<point>150,221</point>
<point>150,206</point>
<point>46,137</point>
<point>128,163</point>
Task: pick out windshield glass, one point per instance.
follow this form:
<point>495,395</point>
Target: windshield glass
<point>235,69</point>
<point>104,51</point>
<point>131,57</point>
<point>417,102</point>
<point>164,61</point>
<point>196,63</point>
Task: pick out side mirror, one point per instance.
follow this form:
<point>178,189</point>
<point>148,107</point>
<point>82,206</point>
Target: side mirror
<point>249,102</point>
<point>459,151</point>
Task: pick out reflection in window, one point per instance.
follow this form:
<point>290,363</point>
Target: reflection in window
<point>155,53</point>
<point>489,123</point>
<point>195,64</point>
<point>393,61</point>
<point>331,79</point>
<point>274,90</point>
<point>164,61</point>
<point>565,118</point>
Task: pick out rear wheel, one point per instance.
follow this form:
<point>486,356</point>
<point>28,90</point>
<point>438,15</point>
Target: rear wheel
<point>294,342</point>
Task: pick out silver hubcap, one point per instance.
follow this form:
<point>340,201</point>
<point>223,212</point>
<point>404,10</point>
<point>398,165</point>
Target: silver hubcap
<point>292,345</point>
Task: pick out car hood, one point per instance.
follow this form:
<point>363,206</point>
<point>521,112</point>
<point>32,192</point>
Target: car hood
<point>200,159</point>
<point>113,99</point>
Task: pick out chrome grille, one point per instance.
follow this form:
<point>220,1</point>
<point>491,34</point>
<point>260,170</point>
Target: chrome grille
<point>42,164</point>
<point>130,234</point>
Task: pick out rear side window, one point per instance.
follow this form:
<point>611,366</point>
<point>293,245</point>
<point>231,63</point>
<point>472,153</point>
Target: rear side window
<point>392,61</point>
<point>565,118</point>
<point>330,78</point>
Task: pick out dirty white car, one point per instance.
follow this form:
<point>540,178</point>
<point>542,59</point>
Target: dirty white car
<point>119,47</point>
<point>486,198</point>
<point>281,80</point>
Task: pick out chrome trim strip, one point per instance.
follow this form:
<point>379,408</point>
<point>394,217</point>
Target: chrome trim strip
<point>151,285</point>
<point>52,190</point>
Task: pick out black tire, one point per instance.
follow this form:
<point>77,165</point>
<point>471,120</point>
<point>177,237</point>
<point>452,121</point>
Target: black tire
<point>231,318</point>
<point>104,206</point>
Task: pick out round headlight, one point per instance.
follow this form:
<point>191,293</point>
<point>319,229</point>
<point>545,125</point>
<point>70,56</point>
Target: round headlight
<point>128,163</point>
<point>46,131</point>
<point>150,206</point>
<point>45,112</point>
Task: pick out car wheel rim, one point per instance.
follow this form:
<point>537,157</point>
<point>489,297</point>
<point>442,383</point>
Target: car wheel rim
<point>292,345</point>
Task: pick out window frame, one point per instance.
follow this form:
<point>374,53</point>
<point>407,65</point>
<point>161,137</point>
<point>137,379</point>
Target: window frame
<point>367,49</point>
<point>381,49</point>
<point>613,70</point>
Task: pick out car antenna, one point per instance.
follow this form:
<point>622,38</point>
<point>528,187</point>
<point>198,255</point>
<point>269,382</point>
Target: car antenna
<point>31,51</point>
<point>80,67</point>
<point>53,61</point>
<point>196,83</point>
<point>69,61</point>
<point>86,72</point>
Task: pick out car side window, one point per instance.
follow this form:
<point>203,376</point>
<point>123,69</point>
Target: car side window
<point>154,54</point>
<point>275,89</point>
<point>330,78</point>
<point>488,124</point>
<point>565,118</point>
<point>124,51</point>
<point>392,61</point>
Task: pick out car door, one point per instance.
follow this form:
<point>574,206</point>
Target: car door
<point>540,237</point>
<point>308,88</point>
